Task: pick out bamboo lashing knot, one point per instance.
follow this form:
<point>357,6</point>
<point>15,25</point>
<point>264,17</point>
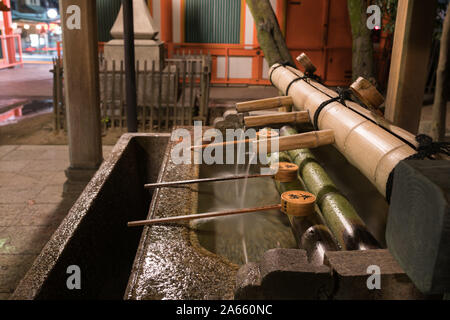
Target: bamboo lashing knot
<point>309,73</point>
<point>305,77</point>
<point>344,94</point>
<point>426,150</point>
<point>280,64</point>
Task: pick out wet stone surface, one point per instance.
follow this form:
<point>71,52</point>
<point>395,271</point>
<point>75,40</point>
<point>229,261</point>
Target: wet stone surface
<point>199,259</point>
<point>170,264</point>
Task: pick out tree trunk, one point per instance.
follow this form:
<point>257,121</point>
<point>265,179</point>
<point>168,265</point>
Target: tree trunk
<point>363,65</point>
<point>270,37</point>
<point>442,94</point>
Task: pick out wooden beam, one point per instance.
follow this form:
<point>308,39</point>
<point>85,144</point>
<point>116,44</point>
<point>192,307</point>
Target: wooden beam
<point>410,55</point>
<point>81,80</point>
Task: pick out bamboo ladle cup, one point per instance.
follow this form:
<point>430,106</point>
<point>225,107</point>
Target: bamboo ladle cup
<point>294,203</point>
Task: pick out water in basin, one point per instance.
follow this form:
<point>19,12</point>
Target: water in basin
<point>242,238</point>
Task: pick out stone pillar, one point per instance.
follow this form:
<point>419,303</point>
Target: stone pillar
<point>147,47</point>
<point>81,80</point>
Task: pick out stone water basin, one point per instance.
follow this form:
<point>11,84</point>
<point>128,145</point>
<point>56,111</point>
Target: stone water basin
<point>188,260</point>
<point>199,259</point>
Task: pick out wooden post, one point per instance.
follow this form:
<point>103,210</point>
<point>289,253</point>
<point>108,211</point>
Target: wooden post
<point>81,79</point>
<point>7,22</point>
<point>410,55</point>
<point>166,21</point>
<point>442,95</point>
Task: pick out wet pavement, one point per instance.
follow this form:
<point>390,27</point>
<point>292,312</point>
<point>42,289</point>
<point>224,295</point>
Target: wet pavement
<point>32,81</point>
<point>32,205</point>
<point>28,108</point>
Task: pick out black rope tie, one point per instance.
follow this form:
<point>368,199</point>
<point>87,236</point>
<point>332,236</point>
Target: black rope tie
<point>292,82</point>
<point>344,94</point>
<point>426,150</point>
<point>307,76</point>
<point>313,76</point>
<point>282,64</point>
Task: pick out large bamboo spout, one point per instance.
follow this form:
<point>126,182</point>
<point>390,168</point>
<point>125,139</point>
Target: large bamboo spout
<point>369,147</point>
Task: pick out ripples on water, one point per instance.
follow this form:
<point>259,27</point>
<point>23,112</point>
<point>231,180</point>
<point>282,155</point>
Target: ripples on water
<point>242,238</point>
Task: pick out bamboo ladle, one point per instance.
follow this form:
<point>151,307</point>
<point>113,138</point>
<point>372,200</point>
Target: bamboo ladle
<point>295,203</point>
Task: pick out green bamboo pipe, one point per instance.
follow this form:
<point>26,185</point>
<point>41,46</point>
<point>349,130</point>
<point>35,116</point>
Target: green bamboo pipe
<point>339,215</point>
<point>310,232</point>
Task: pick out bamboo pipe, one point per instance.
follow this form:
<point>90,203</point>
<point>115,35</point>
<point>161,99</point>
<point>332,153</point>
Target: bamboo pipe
<point>381,121</point>
<point>371,149</point>
<point>313,139</point>
<point>185,182</point>
<point>310,232</point>
<point>202,216</point>
<point>222,144</point>
<point>264,104</point>
<point>317,240</point>
<point>338,214</point>
<point>277,118</point>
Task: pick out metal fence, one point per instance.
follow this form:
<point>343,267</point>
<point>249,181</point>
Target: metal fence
<point>174,95</point>
<point>59,114</point>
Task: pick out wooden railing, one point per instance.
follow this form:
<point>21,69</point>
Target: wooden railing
<point>174,95</point>
<point>8,47</point>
